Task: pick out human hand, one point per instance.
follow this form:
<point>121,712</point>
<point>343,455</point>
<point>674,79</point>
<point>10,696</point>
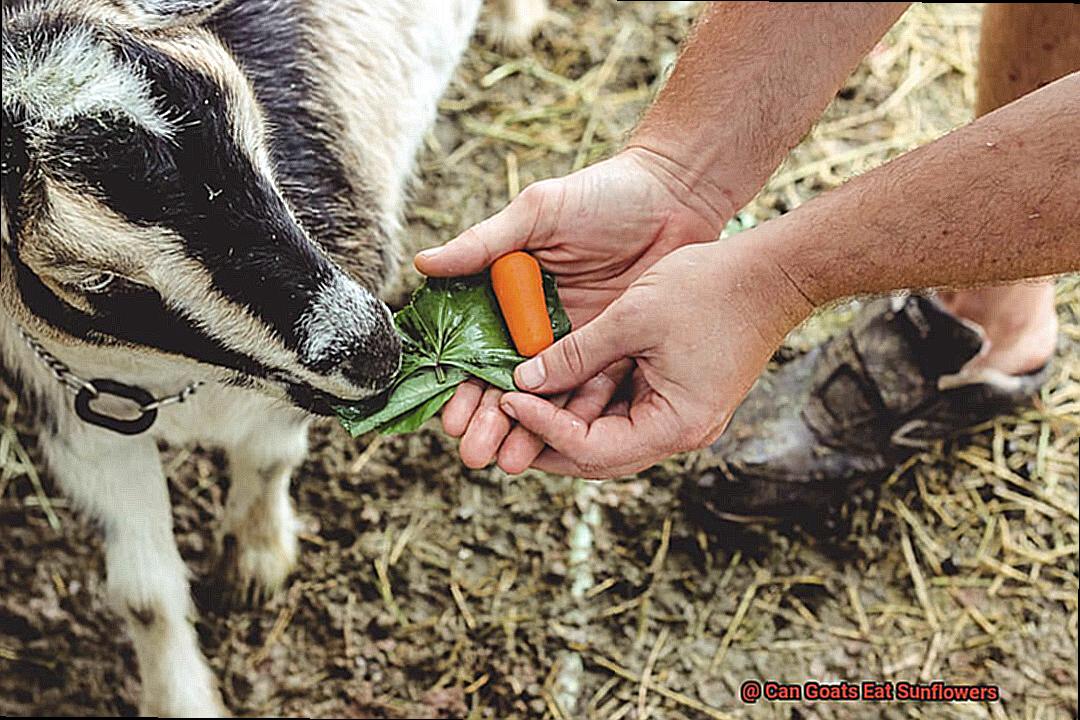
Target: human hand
<point>698,326</point>
<point>598,230</point>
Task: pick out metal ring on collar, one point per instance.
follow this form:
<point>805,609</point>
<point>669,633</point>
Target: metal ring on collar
<point>104,386</point>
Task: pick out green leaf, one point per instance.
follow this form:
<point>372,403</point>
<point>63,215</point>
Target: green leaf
<point>499,376</point>
<point>451,329</point>
<point>412,420</point>
<point>560,322</point>
<point>403,397</point>
<point>457,321</point>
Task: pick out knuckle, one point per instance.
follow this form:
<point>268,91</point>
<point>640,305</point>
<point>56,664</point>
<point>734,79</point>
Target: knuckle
<point>541,203</point>
<point>490,416</point>
<point>532,198</point>
<point>474,241</point>
<point>574,425</point>
<point>539,189</point>
<point>488,249</point>
<point>604,383</point>
<point>473,234</point>
<point>562,429</point>
<point>572,356</point>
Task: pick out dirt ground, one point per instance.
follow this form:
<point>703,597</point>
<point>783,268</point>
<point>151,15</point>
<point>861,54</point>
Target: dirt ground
<point>428,590</point>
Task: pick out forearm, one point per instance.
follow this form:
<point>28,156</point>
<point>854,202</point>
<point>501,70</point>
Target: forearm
<point>751,80</point>
<point>996,201</point>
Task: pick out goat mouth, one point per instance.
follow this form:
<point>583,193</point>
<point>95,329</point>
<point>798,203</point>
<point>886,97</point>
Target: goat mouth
<point>316,402</point>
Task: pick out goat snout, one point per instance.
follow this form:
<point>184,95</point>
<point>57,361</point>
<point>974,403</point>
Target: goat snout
<point>347,336</point>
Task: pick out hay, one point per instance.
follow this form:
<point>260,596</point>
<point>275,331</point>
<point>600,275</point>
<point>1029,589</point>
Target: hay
<point>943,586</point>
<point>963,568</point>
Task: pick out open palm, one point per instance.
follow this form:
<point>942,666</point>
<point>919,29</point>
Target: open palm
<point>597,230</point>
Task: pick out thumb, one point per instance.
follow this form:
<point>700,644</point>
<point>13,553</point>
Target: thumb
<point>580,356</point>
<point>519,225</point>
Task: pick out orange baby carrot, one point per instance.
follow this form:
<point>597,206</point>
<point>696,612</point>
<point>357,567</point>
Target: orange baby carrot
<point>519,288</point>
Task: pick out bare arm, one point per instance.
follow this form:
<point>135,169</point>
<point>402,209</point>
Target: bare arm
<point>750,82</point>
<point>997,200</point>
<point>700,322</point>
<point>994,201</point>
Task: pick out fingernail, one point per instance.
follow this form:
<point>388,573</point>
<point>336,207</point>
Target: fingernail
<point>531,375</point>
<point>508,409</point>
<point>432,252</point>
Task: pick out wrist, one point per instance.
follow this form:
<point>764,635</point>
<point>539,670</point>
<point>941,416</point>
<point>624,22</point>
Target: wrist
<point>812,247</point>
<point>687,190</point>
<point>764,260</point>
<point>719,178</point>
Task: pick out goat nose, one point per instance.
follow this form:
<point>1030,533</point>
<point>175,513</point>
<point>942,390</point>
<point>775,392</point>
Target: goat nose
<point>376,361</point>
<point>347,331</point>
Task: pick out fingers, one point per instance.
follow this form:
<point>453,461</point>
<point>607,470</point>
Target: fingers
<point>590,401</point>
<point>581,355</point>
<point>520,224</point>
<point>473,412</point>
<point>487,428</point>
<point>610,446</point>
<point>555,463</point>
<point>460,409</point>
<point>519,450</point>
<point>523,446</point>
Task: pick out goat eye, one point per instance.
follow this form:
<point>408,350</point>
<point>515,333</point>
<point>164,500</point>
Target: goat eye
<point>97,282</point>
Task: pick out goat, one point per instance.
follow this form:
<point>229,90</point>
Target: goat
<point>200,206</point>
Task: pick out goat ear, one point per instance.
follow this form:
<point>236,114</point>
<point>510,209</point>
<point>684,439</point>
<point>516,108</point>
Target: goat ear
<point>154,14</point>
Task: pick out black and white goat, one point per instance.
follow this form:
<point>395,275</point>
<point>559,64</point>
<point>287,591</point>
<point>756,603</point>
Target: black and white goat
<point>204,195</point>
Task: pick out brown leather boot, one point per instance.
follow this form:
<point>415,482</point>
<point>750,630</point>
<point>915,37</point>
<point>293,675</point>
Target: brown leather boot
<point>851,410</point>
